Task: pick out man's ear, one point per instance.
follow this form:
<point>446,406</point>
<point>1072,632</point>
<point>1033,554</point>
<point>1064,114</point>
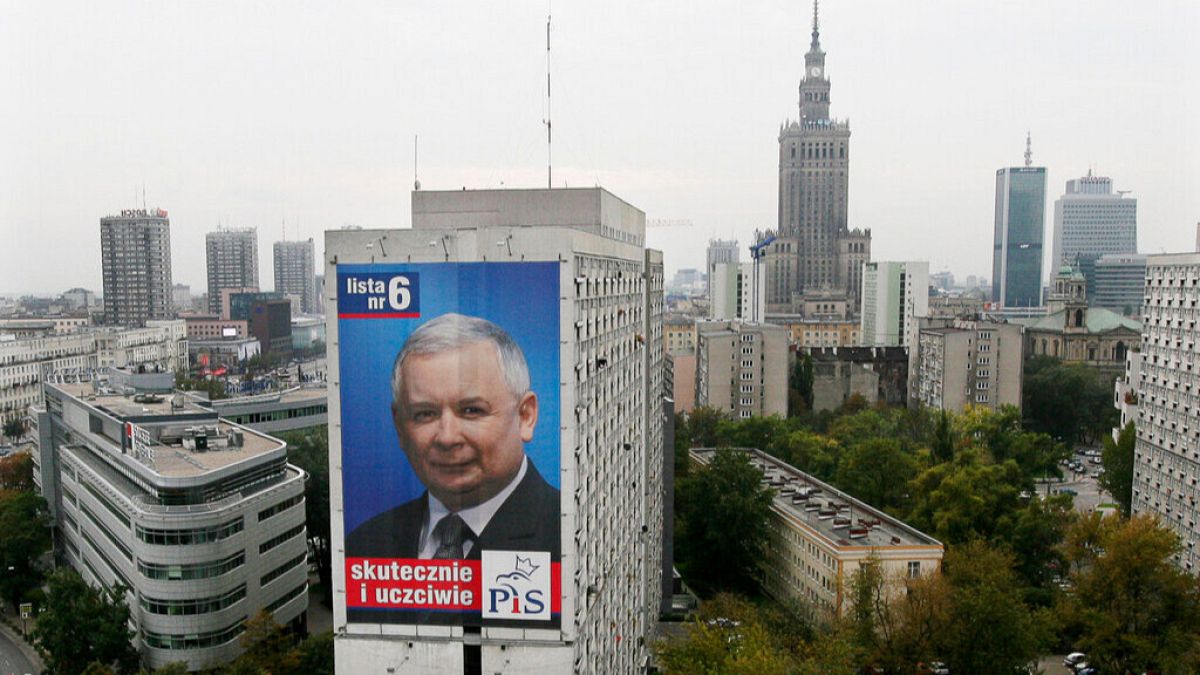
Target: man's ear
<point>527,411</point>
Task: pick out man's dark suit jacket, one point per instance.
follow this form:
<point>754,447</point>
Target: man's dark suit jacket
<point>527,521</point>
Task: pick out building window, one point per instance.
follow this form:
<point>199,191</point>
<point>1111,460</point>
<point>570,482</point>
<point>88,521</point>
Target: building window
<point>914,569</point>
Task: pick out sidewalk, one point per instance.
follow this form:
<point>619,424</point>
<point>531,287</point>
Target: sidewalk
<point>14,636</point>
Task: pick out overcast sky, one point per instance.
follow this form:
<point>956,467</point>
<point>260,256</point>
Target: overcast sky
<point>258,114</point>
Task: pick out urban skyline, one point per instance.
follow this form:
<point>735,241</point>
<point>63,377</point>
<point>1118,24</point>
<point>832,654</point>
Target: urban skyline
<point>922,172</point>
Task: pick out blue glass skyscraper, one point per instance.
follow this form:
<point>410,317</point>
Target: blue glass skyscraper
<point>1020,228</point>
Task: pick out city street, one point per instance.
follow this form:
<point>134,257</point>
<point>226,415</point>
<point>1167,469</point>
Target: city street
<point>12,661</point>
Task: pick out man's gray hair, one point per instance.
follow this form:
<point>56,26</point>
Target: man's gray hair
<point>455,331</point>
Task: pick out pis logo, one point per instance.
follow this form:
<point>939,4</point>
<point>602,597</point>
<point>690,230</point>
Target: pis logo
<point>516,585</point>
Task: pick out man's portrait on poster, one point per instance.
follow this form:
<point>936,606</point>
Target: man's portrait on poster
<point>463,410</point>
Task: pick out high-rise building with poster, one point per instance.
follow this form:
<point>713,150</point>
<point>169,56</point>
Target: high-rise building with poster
<point>498,463</point>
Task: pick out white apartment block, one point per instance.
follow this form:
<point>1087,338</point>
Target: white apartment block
<point>961,362</point>
<point>738,292</point>
<point>741,368</point>
<point>160,345</point>
<point>201,520</point>
<point>1163,387</point>
<point>895,295</point>
<point>820,536</point>
<point>24,364</point>
<point>611,437</point>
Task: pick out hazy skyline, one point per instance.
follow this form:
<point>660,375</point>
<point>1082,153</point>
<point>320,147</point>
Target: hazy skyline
<point>253,114</point>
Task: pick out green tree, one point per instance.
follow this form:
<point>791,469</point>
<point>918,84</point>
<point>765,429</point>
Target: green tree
<point>315,655</point>
<point>14,427</point>
<point>16,472</point>
<point>309,450</point>
<point>945,439</point>
<point>800,385</point>
<point>1070,401</point>
<point>82,625</point>
<point>1118,461</point>
<point>702,425</point>
<point>877,471</point>
<point>965,499</point>
<point>810,452</point>
<point>24,537</point>
<point>267,648</point>
<point>1133,609</point>
<point>1033,534</point>
<point>755,432</point>
<point>986,628</point>
<point>721,529</point>
<point>729,635</point>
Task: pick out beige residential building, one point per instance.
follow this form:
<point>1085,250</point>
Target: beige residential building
<point>806,333</point>
<point>820,536</point>
<point>679,334</point>
<point>683,385</point>
<point>957,362</point>
<point>741,368</point>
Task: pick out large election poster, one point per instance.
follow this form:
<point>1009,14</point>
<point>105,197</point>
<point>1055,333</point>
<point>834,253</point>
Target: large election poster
<point>449,380</point>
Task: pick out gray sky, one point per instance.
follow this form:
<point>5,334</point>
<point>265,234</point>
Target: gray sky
<point>255,113</point>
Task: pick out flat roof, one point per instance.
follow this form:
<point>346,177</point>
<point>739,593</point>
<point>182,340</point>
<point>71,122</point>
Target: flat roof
<point>833,514</point>
<point>171,459</point>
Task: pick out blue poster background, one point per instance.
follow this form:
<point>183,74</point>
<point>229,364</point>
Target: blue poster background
<point>522,298</point>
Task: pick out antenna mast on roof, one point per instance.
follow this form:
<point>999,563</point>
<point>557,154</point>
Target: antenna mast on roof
<point>416,179</point>
<point>549,152</point>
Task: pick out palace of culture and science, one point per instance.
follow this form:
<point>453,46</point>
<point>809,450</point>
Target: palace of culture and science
<point>814,263</point>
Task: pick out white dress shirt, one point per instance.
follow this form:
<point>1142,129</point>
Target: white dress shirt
<point>476,517</point>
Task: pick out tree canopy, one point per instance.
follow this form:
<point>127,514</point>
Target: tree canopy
<point>82,625</point>
<point>722,512</point>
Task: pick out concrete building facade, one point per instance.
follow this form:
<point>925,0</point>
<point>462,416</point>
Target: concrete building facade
<point>1089,222</point>
<point>135,257</point>
<point>1161,396</point>
<point>895,295</point>
<point>202,521</point>
<point>295,274</point>
<point>737,292</point>
<point>611,436</point>
<point>1120,281</point>
<point>232,261</point>
<point>719,252</point>
<point>741,368</point>
<point>961,362</point>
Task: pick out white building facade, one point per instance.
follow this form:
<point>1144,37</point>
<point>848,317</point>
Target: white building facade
<point>202,521</point>
<point>895,295</point>
<point>738,292</point>
<point>1162,396</point>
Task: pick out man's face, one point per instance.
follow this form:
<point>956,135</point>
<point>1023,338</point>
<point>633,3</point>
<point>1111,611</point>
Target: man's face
<point>460,425</point>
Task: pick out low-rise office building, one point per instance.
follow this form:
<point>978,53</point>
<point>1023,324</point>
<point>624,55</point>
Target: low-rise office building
<point>201,520</point>
<point>820,536</point>
<point>275,412</point>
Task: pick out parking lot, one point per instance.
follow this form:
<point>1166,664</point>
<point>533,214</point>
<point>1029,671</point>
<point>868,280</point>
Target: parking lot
<point>1084,483</point>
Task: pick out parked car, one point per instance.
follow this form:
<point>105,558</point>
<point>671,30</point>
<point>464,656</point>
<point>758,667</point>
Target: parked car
<point>1074,658</point>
